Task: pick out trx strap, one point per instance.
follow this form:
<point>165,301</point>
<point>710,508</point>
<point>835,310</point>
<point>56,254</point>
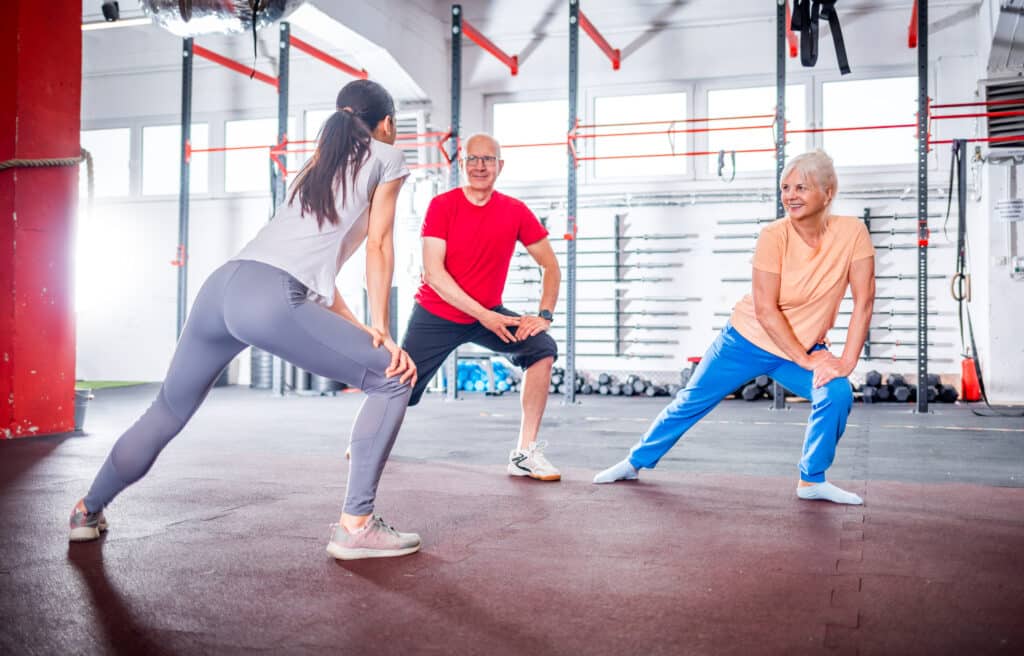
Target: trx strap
<point>961,283</point>
<point>805,21</point>
<point>255,6</point>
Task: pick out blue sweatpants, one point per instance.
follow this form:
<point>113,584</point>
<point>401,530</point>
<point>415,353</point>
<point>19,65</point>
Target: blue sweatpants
<point>731,361</point>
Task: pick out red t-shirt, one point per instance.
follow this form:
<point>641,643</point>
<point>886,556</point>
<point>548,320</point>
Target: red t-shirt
<point>481,241</point>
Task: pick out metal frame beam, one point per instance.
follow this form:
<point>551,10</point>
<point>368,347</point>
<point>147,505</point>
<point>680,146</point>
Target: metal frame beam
<point>921,15</point>
<point>187,57</point>
<point>781,39</point>
<point>474,35</point>
<point>325,58</point>
<point>210,55</point>
<point>614,54</point>
<point>570,225</point>
<point>451,364</point>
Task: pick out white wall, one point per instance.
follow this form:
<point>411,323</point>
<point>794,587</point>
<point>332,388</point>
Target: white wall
<point>132,78</point>
<point>997,308</point>
<point>694,57</point>
<point>141,85</point>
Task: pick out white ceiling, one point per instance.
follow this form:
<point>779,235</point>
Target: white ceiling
<point>518,18</point>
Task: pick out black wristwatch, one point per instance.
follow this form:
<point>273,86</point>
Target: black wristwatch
<point>546,315</point>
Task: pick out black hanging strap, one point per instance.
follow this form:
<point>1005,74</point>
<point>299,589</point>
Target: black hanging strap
<point>255,6</point>
<point>806,14</point>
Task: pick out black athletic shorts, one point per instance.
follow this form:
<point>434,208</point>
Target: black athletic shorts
<point>429,340</point>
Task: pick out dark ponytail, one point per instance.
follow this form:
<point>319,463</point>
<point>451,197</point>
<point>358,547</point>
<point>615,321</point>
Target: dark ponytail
<point>342,149</point>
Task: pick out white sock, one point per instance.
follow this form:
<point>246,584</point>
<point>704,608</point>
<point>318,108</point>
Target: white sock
<point>828,492</point>
<point>620,471</point>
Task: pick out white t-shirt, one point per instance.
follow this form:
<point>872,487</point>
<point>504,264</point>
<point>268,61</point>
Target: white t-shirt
<point>313,255</point>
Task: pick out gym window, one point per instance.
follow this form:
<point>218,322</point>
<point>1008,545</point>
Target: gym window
<point>893,101</point>
<point>753,101</point>
<point>111,156</point>
<point>249,170</point>
<point>315,119</point>
<point>662,107</point>
<point>533,122</point>
<point>161,160</point>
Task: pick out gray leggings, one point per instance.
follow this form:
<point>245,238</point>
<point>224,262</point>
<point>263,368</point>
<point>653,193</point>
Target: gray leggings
<point>250,303</point>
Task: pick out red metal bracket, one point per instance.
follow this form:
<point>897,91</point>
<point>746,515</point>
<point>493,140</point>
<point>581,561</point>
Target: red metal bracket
<point>280,149</point>
<point>179,260</point>
<point>575,228</point>
<point>571,141</point>
<point>512,61</point>
<point>613,54</point>
<point>912,30</point>
<point>233,65</point>
<point>327,59</point>
<point>794,45</point>
<point>188,151</point>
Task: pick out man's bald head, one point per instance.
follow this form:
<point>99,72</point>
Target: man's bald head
<point>483,140</point>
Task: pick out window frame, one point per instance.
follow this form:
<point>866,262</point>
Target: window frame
<point>134,157</point>
<point>234,117</point>
<point>872,73</point>
<point>687,139</point>
<point>141,131</point>
<point>807,79</point>
<point>488,121</point>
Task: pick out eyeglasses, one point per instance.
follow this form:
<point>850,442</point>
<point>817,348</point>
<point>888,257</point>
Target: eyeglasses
<point>486,160</point>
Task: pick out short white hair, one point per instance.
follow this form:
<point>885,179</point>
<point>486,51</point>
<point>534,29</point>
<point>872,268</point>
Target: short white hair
<point>815,165</point>
<point>484,135</point>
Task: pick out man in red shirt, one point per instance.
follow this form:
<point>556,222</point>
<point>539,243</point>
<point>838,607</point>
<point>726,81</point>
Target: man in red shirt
<point>469,237</point>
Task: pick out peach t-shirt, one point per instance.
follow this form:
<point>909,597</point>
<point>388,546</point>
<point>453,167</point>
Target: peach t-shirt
<point>813,280</point>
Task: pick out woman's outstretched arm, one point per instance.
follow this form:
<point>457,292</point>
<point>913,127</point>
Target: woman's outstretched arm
<point>862,287</point>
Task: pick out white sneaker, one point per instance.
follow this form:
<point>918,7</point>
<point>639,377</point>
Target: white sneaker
<point>532,463</point>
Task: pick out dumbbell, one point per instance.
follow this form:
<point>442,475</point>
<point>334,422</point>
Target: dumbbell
<point>901,393</point>
<point>869,393</point>
<point>751,392</point>
<point>895,380</point>
<point>873,378</point>
<point>947,393</point>
<point>884,393</point>
<point>640,386</point>
<point>627,389</point>
<point>934,380</point>
<point>763,380</point>
<point>586,388</point>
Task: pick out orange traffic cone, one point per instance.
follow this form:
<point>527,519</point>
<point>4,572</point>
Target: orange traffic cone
<point>970,390</point>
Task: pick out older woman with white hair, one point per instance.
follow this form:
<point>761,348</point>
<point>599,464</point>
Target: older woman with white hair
<point>802,267</point>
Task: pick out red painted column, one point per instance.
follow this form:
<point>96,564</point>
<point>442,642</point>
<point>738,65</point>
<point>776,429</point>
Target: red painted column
<point>41,74</point>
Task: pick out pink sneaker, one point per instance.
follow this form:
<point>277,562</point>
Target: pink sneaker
<point>86,526</point>
<point>375,540</point>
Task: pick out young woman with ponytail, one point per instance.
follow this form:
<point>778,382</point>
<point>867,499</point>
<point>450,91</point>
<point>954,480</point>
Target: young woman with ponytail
<point>278,294</point>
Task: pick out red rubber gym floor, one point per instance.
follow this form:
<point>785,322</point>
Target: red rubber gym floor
<point>220,550</point>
